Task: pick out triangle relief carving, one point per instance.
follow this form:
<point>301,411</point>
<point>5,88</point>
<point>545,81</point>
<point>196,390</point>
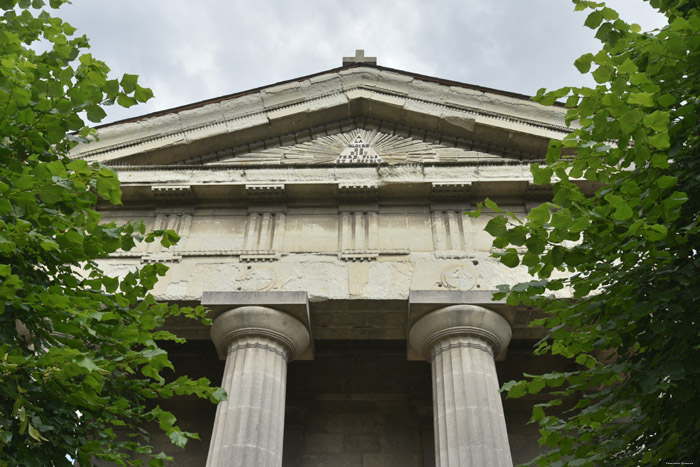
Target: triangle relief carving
<point>358,152</point>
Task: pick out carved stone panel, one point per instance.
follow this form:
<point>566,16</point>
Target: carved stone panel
<point>358,236</point>
<point>263,236</point>
<point>449,240</point>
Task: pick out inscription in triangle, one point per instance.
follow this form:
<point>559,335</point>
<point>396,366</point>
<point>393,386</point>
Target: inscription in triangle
<point>358,152</point>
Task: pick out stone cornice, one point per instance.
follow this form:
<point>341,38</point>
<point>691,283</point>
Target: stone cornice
<point>326,183</point>
<point>487,161</point>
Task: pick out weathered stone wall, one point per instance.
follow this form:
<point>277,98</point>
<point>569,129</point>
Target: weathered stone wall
<point>360,403</point>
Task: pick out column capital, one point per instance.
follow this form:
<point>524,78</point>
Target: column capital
<point>259,321</point>
<point>459,320</point>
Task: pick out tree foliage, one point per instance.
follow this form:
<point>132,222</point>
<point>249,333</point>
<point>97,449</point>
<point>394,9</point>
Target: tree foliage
<point>79,359</point>
<point>628,256</point>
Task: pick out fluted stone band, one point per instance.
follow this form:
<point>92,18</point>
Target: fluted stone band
<point>465,320</point>
<point>259,321</point>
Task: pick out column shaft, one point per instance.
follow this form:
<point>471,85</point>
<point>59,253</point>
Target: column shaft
<point>460,341</point>
<point>470,427</point>
<point>249,426</point>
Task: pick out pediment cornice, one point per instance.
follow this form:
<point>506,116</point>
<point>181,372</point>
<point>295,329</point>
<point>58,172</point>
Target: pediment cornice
<point>309,104</point>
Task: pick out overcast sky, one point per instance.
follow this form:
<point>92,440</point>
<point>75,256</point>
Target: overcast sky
<point>187,50</point>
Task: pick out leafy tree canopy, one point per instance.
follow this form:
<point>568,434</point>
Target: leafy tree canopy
<point>628,255</point>
<point>79,359</point>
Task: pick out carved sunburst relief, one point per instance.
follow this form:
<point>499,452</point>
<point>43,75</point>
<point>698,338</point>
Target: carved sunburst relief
<point>355,146</point>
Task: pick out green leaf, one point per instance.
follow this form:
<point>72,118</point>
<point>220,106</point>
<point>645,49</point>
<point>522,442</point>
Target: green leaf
<point>537,413</point>
<point>530,259</point>
<point>583,63</point>
<point>128,82</point>
<point>126,101</point>
<point>666,181</point>
<point>675,199</point>
<point>630,119</point>
<point>594,19</point>
<point>73,236</point>
<point>535,386</point>
<point>142,94</point>
<point>609,14</point>
<point>108,186</point>
<point>561,220</point>
<point>666,100</point>
<point>540,215</point>
<point>660,140</point>
<point>628,66</point>
<point>87,363</point>
<point>49,245</point>
<point>657,120</point>
<point>515,389</point>
<point>96,77</point>
<point>79,166</point>
<point>579,224</point>
<point>622,210</point>
<point>34,433</point>
<point>51,194</point>
<point>660,161</point>
<point>645,99</point>
<point>509,258</point>
<point>655,232</point>
<point>497,226</point>
<point>492,206</point>
<point>602,74</point>
<point>178,438</point>
<point>74,122</point>
<point>5,206</point>
<point>541,176</point>
<point>95,113</point>
<point>516,236</point>
<point>219,395</point>
<point>57,168</point>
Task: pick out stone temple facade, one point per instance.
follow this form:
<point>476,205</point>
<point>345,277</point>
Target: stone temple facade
<point>322,222</point>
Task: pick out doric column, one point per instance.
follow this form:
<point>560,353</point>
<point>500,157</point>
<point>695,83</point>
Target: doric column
<point>257,343</point>
<point>461,341</point>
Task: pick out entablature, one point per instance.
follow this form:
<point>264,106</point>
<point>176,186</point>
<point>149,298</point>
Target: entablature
<point>333,184</point>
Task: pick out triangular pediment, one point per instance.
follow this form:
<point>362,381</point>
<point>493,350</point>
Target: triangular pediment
<point>399,116</point>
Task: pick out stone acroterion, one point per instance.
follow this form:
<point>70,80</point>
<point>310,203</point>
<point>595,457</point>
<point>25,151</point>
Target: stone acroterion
<point>359,58</point>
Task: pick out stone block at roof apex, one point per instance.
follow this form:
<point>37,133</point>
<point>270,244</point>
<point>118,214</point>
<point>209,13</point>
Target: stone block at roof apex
<point>359,58</point>
<point>412,108</point>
